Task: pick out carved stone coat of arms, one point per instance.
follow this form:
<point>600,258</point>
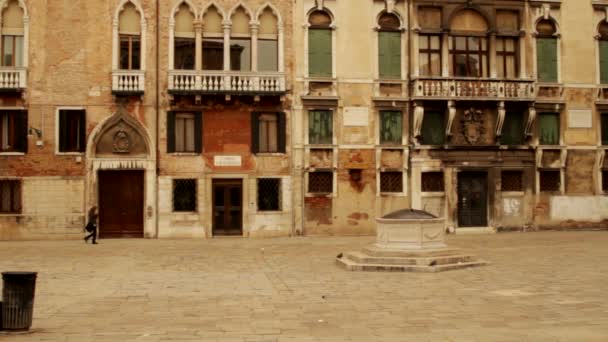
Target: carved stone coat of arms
<point>472,125</point>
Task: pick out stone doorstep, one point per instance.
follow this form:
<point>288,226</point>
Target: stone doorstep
<point>350,265</point>
<point>422,253</point>
<point>362,258</point>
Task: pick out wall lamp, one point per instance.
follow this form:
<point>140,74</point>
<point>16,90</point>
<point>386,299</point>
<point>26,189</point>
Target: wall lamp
<point>33,130</point>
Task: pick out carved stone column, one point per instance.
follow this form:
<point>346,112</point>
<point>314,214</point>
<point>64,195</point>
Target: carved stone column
<point>198,45</point>
<point>500,119</point>
<point>451,116</point>
<point>418,118</point>
<point>530,121</point>
<point>227,26</point>
<point>254,27</point>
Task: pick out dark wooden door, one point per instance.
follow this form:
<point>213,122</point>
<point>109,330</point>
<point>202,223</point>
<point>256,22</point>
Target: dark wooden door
<point>228,207</point>
<point>472,199</point>
<point>121,204</point>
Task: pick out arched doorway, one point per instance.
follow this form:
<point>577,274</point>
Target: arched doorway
<point>121,177</point>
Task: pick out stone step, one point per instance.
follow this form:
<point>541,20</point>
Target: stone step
<point>351,265</point>
<point>383,252</point>
<point>363,258</point>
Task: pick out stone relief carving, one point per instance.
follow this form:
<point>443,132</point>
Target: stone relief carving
<point>121,142</point>
<point>472,125</point>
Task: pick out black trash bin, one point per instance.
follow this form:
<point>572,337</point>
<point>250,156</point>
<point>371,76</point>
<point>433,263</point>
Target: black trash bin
<point>18,300</point>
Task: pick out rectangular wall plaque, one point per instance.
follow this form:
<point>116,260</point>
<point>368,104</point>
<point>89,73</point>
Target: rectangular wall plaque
<point>227,161</point>
<point>580,118</point>
<point>356,116</point>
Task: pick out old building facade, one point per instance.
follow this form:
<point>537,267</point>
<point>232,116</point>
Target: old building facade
<point>261,118</point>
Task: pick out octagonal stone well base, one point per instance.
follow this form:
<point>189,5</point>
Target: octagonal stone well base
<point>408,241</point>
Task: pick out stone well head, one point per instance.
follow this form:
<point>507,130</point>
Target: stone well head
<point>410,229</point>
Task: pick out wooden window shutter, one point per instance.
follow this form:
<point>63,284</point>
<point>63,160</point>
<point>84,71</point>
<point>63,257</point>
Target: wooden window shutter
<point>21,131</point>
<point>82,130</point>
<point>255,132</point>
<point>546,49</point>
<point>389,54</point>
<point>433,128</point>
<point>320,52</point>
<point>198,132</point>
<point>282,133</point>
<point>170,132</point>
<point>513,129</point>
<point>604,61</point>
<point>548,129</point>
<point>63,130</point>
<point>391,127</point>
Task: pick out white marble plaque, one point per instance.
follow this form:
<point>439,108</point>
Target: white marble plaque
<point>356,116</point>
<point>579,118</point>
<point>227,161</point>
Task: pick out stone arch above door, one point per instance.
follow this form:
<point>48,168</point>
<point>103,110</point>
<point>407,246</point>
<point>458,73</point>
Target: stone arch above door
<point>120,136</point>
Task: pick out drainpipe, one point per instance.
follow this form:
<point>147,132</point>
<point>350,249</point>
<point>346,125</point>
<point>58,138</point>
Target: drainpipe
<point>409,82</point>
<point>157,67</point>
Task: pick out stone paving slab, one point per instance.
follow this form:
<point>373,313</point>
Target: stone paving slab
<point>548,286</point>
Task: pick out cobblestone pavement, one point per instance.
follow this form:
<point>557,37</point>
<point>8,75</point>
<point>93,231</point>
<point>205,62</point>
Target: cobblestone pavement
<point>549,286</point>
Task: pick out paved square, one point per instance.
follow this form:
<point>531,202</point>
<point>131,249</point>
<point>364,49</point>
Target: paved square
<point>549,286</point>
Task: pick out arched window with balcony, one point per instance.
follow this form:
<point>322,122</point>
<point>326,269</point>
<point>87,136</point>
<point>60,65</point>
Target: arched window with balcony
<point>13,34</point>
<point>129,31</point>
<point>468,44</point>
<point>268,41</point>
<point>184,38</point>
<point>213,39</point>
<point>546,51</point>
<point>603,51</point>
<point>320,45</point>
<point>389,46</point>
<point>240,40</point>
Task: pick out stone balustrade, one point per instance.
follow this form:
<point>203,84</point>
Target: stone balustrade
<point>13,78</point>
<point>226,82</point>
<point>474,89</point>
<point>128,81</point>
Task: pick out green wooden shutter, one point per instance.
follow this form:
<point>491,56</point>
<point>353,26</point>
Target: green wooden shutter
<point>282,127</point>
<point>389,54</point>
<point>320,130</point>
<point>604,61</point>
<point>391,127</point>
<point>546,59</point>
<point>198,132</point>
<point>82,134</point>
<point>548,132</point>
<point>513,129</point>
<point>433,128</point>
<point>604,123</point>
<point>319,52</point>
<point>255,133</point>
<point>170,132</point>
<point>21,131</point>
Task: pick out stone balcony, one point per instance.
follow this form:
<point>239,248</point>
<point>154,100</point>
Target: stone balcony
<point>226,82</point>
<point>481,89</point>
<point>125,82</point>
<point>13,79</point>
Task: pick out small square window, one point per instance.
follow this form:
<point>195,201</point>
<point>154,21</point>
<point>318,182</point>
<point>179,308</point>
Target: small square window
<point>269,194</point>
<point>549,181</point>
<point>10,196</point>
<point>391,182</point>
<point>72,126</point>
<point>432,182</point>
<point>512,181</point>
<point>184,195</point>
<point>321,182</point>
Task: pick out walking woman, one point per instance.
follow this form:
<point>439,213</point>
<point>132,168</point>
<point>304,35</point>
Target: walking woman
<point>91,226</point>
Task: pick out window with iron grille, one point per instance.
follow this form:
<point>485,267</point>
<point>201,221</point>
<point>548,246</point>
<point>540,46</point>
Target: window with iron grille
<point>391,181</point>
<point>512,181</point>
<point>321,182</point>
<point>72,126</point>
<point>184,195</point>
<point>10,196</point>
<point>605,180</point>
<point>432,181</point>
<point>549,181</point>
<point>269,194</point>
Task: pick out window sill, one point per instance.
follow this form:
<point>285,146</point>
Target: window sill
<point>392,194</point>
<point>184,154</point>
<point>69,153</point>
<point>432,194</point>
<point>320,194</point>
<point>270,154</point>
<point>11,214</point>
<point>512,193</point>
<point>12,153</point>
<point>270,212</point>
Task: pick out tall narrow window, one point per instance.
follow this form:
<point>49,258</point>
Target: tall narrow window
<point>391,127</point>
<point>268,132</point>
<point>72,127</point>
<point>389,46</point>
<point>433,128</point>
<point>213,40</point>
<point>320,45</point>
<point>603,51</point>
<point>10,196</point>
<point>429,57</point>
<point>13,131</point>
<point>506,57</point>
<point>269,194</point>
<point>268,42</point>
<point>130,38</point>
<point>513,129</point>
<point>320,127</point>
<point>469,45</point>
<point>240,41</point>
<point>548,129</point>
<point>604,128</point>
<point>184,40</point>
<point>184,132</point>
<point>546,51</point>
<point>12,35</point>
